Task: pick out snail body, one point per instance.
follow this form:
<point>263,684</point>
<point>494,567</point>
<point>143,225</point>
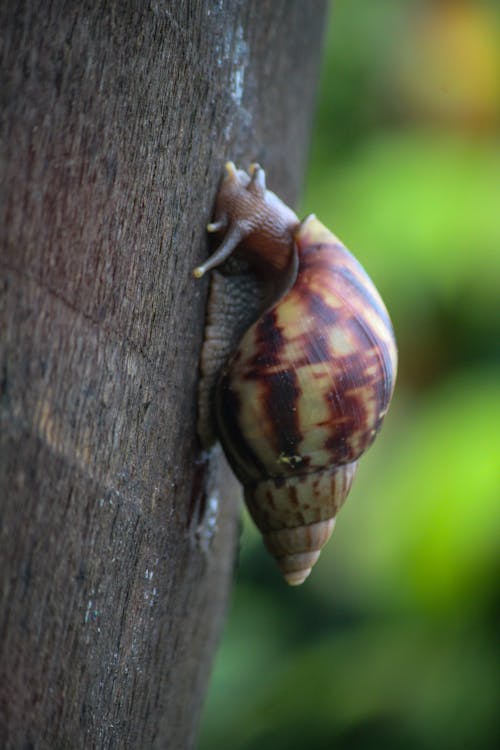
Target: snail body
<point>305,390</point>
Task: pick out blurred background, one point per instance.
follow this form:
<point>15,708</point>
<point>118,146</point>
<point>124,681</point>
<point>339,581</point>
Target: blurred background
<point>393,640</point>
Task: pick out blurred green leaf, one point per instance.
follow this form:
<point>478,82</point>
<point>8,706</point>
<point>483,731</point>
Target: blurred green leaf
<point>421,526</point>
<point>407,674</point>
<point>392,640</point>
<point>419,210</point>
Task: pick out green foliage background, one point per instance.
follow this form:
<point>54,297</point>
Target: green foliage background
<point>392,642</point>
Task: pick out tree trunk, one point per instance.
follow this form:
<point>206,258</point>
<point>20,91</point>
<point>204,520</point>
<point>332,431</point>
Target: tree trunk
<point>117,547</point>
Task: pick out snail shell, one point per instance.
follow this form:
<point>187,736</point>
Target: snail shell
<point>306,386</point>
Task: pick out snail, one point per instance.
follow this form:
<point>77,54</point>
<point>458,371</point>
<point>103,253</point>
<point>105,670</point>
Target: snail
<point>298,365</point>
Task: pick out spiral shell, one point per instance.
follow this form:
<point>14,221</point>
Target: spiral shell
<point>305,391</point>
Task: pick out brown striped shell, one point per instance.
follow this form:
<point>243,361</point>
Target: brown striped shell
<point>306,388</point>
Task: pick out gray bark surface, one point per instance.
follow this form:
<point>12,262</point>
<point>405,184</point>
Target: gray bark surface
<point>116,119</point>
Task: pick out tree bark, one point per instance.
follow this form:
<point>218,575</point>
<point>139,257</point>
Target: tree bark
<point>117,545</point>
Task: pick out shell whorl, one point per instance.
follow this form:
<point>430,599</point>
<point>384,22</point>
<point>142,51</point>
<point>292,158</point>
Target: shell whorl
<point>311,380</point>
<point>296,550</point>
<point>296,515</point>
<point>305,391</point>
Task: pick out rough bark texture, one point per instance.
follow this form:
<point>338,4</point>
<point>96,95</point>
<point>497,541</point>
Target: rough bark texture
<point>116,120</point>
